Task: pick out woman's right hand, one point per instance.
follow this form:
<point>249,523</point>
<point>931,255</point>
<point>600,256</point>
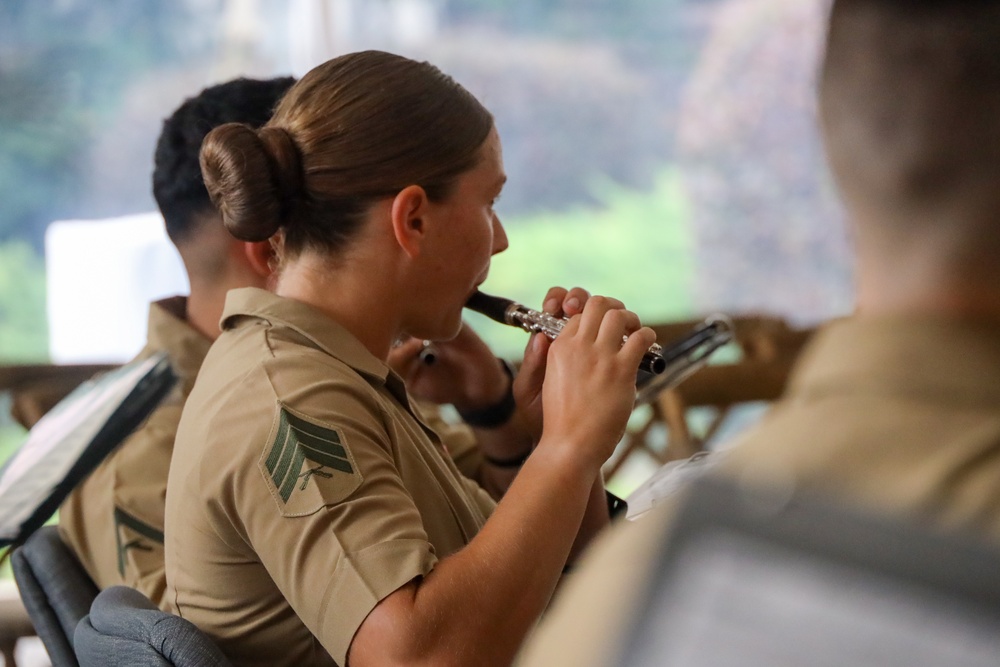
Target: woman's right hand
<point>589,387</point>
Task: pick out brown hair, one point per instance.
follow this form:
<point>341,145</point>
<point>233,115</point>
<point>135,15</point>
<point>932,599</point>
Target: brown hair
<point>355,129</point>
<point>910,100</point>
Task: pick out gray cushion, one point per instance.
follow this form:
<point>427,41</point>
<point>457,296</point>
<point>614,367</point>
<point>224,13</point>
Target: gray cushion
<point>56,591</point>
<point>125,628</point>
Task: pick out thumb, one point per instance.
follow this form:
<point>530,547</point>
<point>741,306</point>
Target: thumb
<point>532,372</point>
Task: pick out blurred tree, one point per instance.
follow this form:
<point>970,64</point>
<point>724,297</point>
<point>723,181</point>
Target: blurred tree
<point>63,66</point>
<point>640,23</point>
<point>570,115</point>
<point>23,325</point>
<point>582,90</point>
<point>770,233</point>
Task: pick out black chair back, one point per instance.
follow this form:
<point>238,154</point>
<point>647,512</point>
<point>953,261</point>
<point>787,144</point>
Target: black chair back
<point>56,590</point>
<point>125,628</point>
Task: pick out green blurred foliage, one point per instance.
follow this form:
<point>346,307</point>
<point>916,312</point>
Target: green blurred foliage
<point>11,436</point>
<point>635,247</point>
<point>770,232</point>
<point>23,323</point>
<point>580,89</point>
<point>640,25</point>
<point>561,117</point>
<point>63,68</point>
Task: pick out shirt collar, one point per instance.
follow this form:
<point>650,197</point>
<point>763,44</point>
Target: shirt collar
<point>318,328</point>
<point>959,360</point>
<point>168,330</point>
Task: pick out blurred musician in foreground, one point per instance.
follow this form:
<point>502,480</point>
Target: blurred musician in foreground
<point>897,409</point>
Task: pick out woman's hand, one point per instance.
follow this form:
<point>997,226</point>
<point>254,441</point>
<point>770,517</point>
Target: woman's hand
<point>589,380</point>
<point>465,372</point>
<point>559,302</point>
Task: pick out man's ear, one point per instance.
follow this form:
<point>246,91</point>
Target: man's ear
<point>260,255</point>
<point>408,210</point>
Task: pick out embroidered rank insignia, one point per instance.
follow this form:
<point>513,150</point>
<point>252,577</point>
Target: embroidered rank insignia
<point>307,464</point>
<point>132,534</point>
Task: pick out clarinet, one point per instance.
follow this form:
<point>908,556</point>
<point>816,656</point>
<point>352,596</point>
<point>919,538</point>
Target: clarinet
<point>514,314</point>
<point>673,362</point>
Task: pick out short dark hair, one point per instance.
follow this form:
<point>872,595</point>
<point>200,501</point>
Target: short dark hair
<point>910,99</point>
<point>177,181</point>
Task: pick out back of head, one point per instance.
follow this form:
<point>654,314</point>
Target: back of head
<point>178,185</point>
<point>353,130</point>
<point>910,105</point>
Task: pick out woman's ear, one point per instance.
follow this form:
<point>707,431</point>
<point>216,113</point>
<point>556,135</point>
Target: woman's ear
<point>408,210</point>
<point>260,256</point>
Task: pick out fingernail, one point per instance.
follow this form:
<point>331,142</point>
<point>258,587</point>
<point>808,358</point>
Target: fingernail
<point>573,303</point>
<point>551,306</point>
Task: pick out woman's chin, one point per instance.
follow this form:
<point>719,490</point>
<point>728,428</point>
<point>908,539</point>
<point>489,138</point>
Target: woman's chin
<point>441,330</point>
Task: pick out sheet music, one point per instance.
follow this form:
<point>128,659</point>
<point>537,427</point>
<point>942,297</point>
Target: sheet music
<point>58,440</point>
<point>665,482</point>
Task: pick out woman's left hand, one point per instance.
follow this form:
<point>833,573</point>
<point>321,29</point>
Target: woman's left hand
<point>559,302</point>
<point>465,372</point>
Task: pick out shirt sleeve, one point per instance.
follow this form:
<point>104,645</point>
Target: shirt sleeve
<point>324,508</point>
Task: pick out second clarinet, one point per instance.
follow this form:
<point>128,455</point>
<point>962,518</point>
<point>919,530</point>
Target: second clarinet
<point>510,312</point>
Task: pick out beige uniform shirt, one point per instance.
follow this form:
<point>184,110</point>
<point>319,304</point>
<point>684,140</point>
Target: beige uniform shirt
<point>458,439</point>
<point>303,489</point>
<point>898,416</point>
<point>113,521</point>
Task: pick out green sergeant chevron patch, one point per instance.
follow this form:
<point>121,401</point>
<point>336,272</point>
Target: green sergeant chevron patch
<point>134,535</point>
<point>303,451</point>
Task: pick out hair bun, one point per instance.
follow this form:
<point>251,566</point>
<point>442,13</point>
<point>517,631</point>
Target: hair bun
<point>287,162</point>
<point>254,178</point>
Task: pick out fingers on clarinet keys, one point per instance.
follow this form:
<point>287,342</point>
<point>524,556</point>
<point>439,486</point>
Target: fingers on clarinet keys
<point>515,314</point>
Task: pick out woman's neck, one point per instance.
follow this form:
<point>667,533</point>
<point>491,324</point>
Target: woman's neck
<point>360,301</point>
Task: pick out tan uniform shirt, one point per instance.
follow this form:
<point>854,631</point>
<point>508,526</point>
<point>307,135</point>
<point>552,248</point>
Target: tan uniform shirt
<point>303,488</point>
<point>458,439</point>
<point>893,415</point>
<point>113,521</point>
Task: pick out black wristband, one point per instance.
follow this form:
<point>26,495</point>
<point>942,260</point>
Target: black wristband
<point>497,414</point>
